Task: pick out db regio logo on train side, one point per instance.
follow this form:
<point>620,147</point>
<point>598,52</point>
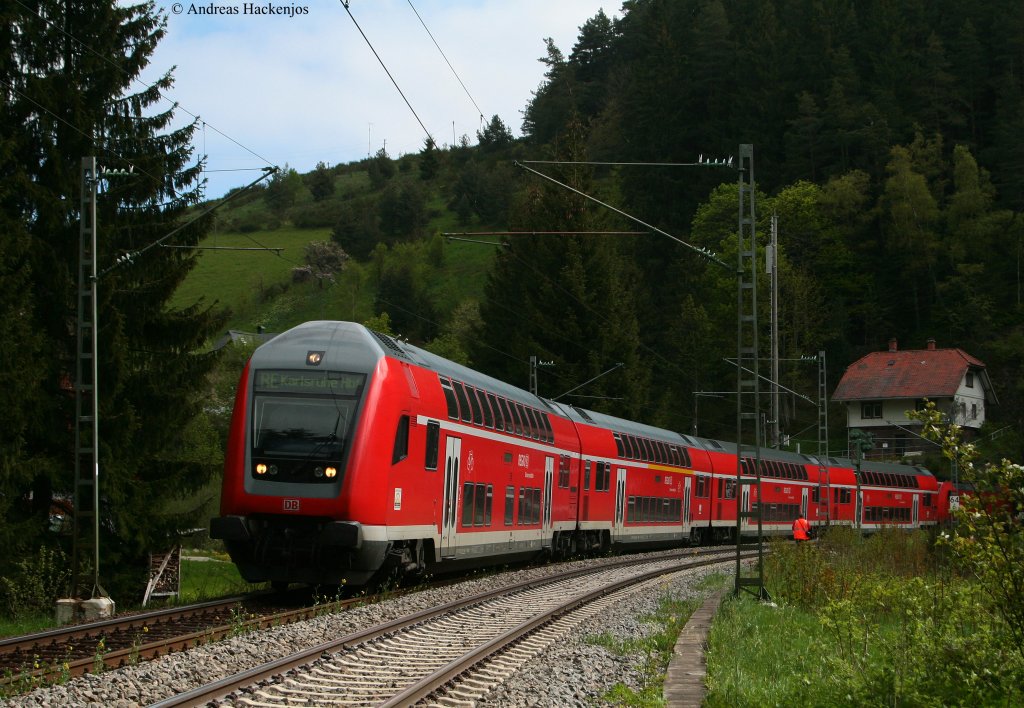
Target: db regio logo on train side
<point>290,504</point>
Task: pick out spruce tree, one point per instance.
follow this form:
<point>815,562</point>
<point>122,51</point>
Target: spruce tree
<point>69,72</point>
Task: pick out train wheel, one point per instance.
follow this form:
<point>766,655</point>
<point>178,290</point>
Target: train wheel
<point>696,536</point>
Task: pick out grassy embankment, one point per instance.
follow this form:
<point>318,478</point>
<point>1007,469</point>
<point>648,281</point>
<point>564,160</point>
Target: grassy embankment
<point>881,621</point>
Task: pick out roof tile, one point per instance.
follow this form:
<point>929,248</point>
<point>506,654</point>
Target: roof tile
<point>914,373</point>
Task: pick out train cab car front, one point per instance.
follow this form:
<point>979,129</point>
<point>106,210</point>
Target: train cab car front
<point>285,515</point>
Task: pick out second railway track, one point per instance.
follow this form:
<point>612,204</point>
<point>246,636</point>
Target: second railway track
<point>180,673</point>
<point>404,661</point>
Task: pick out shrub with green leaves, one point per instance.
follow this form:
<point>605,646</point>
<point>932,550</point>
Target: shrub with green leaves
<point>36,583</point>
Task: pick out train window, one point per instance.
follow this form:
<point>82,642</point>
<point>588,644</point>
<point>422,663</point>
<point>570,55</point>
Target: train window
<point>499,420</point>
<point>488,419</point>
<point>627,447</point>
<point>474,404</point>
<point>401,448</point>
<point>524,421</point>
<point>686,457</point>
<point>531,415</point>
<point>484,501</point>
<point>586,476</point>
<point>529,429</point>
<point>510,504</point>
<point>563,471</point>
<point>464,410</point>
<point>730,489</point>
<point>517,425</point>
<point>603,480</point>
<point>549,433</point>
<point>649,448</point>
<point>663,454</point>
<point>618,444</point>
<point>514,417</point>
<point>506,414</point>
<point>701,489</point>
<point>433,440</point>
<point>467,504</point>
<point>529,506</point>
<point>449,397</point>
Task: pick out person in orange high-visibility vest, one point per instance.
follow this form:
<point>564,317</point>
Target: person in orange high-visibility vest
<point>801,529</point>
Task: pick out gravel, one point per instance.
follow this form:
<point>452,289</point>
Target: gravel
<point>573,672</point>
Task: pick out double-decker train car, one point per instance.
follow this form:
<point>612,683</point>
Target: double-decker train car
<point>353,454</point>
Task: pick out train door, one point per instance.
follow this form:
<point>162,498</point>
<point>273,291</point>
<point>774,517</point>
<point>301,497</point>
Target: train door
<point>549,476</point>
<point>449,515</point>
<point>686,504</point>
<point>917,500</point>
<point>744,505</point>
<point>803,503</point>
<point>858,509</point>
<point>620,497</point>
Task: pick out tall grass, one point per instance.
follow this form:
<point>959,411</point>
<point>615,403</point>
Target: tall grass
<point>877,621</point>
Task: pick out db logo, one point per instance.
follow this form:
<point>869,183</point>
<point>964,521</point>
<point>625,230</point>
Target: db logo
<point>290,504</point>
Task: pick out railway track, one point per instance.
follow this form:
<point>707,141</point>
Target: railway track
<point>449,653</point>
<point>120,641</point>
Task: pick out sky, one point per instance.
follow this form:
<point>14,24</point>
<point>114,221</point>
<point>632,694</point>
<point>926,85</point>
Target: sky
<point>300,89</point>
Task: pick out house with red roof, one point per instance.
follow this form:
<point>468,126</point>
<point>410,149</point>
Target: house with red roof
<point>878,389</point>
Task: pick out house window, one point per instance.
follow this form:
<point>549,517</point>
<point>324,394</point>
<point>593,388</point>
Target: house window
<point>974,411</point>
<point>970,380</point>
<point>871,409</point>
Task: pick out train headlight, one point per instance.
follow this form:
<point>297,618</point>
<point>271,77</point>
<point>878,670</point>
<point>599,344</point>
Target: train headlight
<point>272,470</point>
<point>261,468</point>
<point>331,472</point>
<point>318,472</point>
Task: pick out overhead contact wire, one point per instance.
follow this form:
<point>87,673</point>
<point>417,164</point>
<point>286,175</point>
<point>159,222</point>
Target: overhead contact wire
<point>344,4</point>
<point>174,103</point>
<point>456,74</point>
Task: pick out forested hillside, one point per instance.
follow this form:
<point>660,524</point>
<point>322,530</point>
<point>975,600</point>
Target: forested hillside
<point>886,140</point>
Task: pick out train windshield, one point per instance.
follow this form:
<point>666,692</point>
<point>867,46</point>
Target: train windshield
<point>298,414</point>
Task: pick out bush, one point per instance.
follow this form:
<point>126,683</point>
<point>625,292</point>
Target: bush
<point>36,583</point>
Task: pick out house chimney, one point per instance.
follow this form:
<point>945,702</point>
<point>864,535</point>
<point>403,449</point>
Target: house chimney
<point>931,344</point>
<point>892,344</point>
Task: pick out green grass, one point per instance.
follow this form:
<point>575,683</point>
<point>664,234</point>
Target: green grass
<point>760,655</point>
<point>210,579</point>
<point>200,580</point>
<point>654,651</point>
<point>237,278</point>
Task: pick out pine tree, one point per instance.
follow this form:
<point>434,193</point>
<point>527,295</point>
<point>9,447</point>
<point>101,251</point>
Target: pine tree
<point>68,71</point>
<point>566,298</point>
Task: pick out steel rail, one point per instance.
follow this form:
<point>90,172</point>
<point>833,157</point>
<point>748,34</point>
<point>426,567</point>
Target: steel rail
<point>222,687</point>
<point>428,685</point>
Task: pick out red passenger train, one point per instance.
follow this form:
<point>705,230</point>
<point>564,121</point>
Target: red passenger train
<point>353,454</point>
